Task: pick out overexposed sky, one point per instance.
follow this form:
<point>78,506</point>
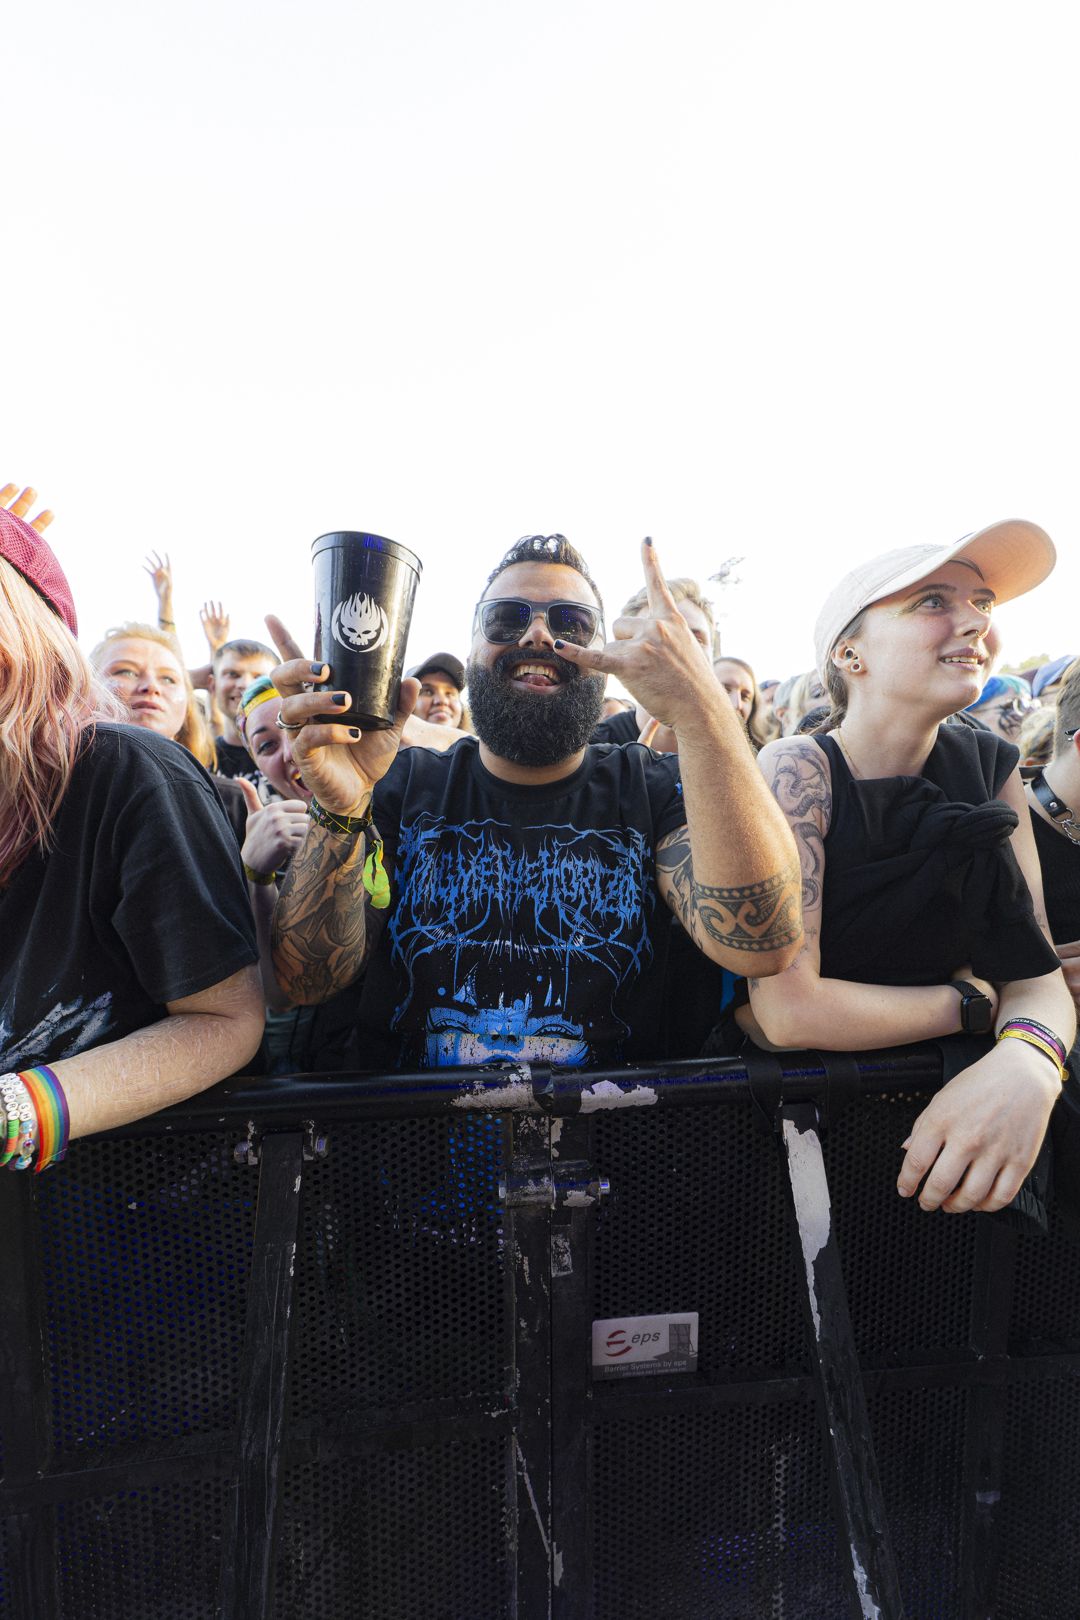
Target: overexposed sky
<point>787,282</point>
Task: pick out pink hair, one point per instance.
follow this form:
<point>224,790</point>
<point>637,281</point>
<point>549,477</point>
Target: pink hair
<point>50,702</point>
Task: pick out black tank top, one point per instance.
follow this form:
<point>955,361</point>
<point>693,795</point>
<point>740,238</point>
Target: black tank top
<point>920,876</point>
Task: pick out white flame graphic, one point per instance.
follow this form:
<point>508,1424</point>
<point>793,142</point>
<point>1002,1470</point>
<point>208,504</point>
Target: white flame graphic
<point>359,622</point>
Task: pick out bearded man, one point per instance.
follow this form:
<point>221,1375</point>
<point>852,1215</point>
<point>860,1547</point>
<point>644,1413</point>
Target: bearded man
<point>504,896</point>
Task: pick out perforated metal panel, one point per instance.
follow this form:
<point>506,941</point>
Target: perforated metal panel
<point>721,1515</point>
<point>696,1222</point>
<point>412,1535</point>
<point>145,1251</point>
<point>415,1382</point>
<point>919,1441</point>
<point>142,1555</point>
<point>908,1272</point>
<point>401,1268</point>
<point>1039,1571</point>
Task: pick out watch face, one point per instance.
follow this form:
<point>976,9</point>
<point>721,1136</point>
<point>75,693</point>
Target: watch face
<point>978,1015</point>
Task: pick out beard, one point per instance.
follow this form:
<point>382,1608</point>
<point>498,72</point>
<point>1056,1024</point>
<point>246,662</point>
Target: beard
<point>532,728</point>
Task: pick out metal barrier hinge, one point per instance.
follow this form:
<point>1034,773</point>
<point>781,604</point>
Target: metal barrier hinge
<point>537,1183</point>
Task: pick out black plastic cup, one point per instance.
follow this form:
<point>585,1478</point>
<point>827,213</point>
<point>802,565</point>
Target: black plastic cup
<point>364,591</point>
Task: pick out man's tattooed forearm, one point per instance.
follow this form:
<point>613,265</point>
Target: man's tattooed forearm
<point>318,938</point>
<point>757,917</point>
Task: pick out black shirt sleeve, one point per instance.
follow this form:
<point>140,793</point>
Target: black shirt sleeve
<point>181,910</point>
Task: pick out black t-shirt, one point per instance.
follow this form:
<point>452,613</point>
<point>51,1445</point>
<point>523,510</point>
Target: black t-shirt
<point>525,922</point>
<point>617,728</point>
<point>139,901</point>
<point>233,759</point>
<point>1059,858</point>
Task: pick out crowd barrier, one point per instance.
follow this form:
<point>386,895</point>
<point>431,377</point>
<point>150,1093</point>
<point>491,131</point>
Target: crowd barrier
<point>326,1348</point>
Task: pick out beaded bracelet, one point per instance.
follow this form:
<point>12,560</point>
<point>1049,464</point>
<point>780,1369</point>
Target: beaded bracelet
<point>1033,1027</point>
<point>53,1119</point>
<point>1038,1043</point>
<point>344,826</point>
<point>21,1128</point>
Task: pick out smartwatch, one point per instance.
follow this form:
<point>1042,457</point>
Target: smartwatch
<point>976,1010</point>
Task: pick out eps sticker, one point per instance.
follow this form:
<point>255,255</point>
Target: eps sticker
<point>634,1346</point>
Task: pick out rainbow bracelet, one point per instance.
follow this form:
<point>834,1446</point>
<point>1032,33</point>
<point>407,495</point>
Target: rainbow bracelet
<point>50,1103</point>
<point>21,1128</point>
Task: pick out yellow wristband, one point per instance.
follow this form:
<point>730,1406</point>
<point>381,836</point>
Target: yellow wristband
<point>1040,1046</point>
<point>262,878</point>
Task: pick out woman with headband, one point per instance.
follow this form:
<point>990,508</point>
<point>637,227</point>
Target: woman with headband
<point>922,897</point>
<point>298,1039</point>
<point>127,977</point>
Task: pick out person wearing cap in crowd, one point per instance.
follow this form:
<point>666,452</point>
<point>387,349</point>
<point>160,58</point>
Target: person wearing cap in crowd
<point>127,951</point>
<point>922,895</point>
<point>504,895</point>
<point>1047,681</point>
<point>442,681</point>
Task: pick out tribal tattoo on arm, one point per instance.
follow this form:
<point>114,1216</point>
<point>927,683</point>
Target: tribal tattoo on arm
<point>754,918</point>
<point>324,927</point>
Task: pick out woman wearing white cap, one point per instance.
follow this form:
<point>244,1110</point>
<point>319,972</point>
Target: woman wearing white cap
<point>922,897</point>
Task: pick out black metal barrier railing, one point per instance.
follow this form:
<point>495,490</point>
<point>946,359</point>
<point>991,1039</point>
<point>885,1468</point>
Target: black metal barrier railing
<point>326,1347</point>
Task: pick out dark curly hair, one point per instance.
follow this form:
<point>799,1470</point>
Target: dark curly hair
<point>549,548</point>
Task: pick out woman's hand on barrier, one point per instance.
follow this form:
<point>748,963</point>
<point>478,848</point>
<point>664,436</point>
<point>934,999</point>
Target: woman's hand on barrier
<point>340,764</point>
<point>976,1140</point>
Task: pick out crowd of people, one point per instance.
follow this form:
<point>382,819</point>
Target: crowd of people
<point>200,872</point>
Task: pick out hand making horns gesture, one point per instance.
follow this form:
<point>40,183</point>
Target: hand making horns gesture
<point>655,655</point>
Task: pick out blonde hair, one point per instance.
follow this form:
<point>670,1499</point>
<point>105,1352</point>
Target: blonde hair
<point>683,589</point>
<point>1036,739</point>
<point>50,702</point>
<point>194,734</point>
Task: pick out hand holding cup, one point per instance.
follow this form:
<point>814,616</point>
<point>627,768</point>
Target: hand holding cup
<point>339,763</point>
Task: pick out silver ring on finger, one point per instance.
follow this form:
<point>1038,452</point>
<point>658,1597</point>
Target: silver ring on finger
<point>282,725</point>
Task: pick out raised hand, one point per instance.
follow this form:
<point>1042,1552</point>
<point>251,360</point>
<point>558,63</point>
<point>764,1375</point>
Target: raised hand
<point>655,656</point>
<point>215,623</point>
<point>160,571</point>
<point>286,643</point>
<point>19,503</point>
<point>340,764</point>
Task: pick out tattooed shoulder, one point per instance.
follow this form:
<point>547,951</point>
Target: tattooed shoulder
<point>798,773</point>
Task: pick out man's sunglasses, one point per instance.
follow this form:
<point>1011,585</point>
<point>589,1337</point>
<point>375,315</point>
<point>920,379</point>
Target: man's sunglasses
<point>506,618</point>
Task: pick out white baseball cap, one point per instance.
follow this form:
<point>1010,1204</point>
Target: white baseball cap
<point>1013,557</point>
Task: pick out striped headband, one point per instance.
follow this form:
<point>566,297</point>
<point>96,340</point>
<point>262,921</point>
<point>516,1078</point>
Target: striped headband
<point>260,691</point>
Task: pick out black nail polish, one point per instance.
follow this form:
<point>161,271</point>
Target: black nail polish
<point>560,643</point>
<point>317,669</point>
<point>340,698</point>
<point>648,539</point>
<point>354,733</point>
